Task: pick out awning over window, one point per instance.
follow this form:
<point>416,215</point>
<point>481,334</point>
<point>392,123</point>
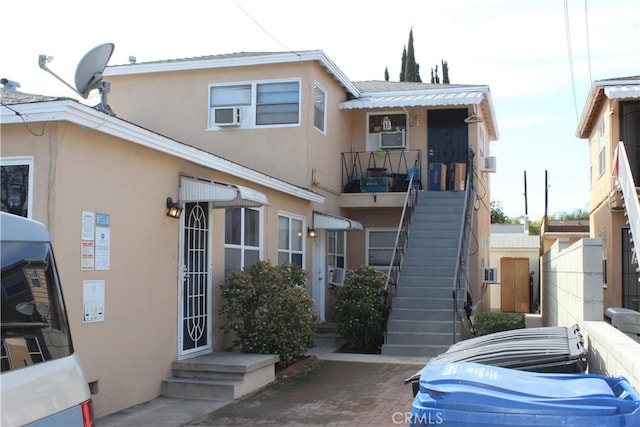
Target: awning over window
<point>331,222</point>
<point>622,91</point>
<point>219,194</point>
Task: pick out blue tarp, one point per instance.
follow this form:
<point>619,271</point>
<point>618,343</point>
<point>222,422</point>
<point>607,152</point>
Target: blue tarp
<point>473,394</point>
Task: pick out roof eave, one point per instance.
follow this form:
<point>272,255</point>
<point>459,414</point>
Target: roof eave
<point>225,62</point>
<point>85,116</point>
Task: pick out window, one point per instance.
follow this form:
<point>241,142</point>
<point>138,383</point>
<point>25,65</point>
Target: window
<point>261,104</point>
<point>290,240</point>
<point>381,243</point>
<point>601,148</point>
<point>242,238</point>
<point>336,250</point>
<point>319,106</point>
<point>16,181</point>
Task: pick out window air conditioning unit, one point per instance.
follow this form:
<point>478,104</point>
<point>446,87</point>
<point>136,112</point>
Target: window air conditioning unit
<point>489,164</point>
<point>227,116</point>
<point>337,276</point>
<point>489,275</point>
<point>395,139</point>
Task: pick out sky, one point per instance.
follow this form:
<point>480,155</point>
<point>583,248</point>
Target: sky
<point>538,57</point>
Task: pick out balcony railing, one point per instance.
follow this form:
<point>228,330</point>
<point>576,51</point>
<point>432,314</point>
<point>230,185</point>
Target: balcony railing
<point>380,171</point>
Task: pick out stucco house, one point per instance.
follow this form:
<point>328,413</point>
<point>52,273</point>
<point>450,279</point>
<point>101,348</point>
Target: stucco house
<point>610,123</point>
<point>275,156</point>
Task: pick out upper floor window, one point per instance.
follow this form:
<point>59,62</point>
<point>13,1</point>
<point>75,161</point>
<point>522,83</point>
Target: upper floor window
<point>290,240</point>
<point>255,104</point>
<point>319,106</point>
<point>242,243</point>
<point>16,183</point>
<point>602,151</point>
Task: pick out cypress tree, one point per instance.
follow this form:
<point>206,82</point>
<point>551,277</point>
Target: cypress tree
<point>410,74</point>
<point>445,72</point>
<point>386,74</point>
<point>404,63</point>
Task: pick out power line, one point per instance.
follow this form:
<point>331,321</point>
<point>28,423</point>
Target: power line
<point>262,28</point>
<point>586,19</point>
<point>568,31</point>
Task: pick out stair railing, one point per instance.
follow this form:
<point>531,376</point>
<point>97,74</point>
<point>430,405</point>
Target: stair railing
<point>460,275</point>
<point>402,236</point>
<point>624,181</point>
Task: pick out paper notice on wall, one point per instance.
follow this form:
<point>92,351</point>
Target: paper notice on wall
<point>103,248</point>
<point>87,257</point>
<point>88,225</point>
<point>92,301</point>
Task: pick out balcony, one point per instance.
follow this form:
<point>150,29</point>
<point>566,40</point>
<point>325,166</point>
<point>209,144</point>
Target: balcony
<point>378,178</point>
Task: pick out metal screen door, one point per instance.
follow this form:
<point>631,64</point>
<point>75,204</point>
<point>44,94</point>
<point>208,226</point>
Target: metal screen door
<point>195,295</point>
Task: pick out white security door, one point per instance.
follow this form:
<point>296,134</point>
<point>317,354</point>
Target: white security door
<point>318,275</point>
<point>194,330</point>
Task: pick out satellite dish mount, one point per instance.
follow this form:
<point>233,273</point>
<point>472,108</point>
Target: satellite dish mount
<point>88,74</point>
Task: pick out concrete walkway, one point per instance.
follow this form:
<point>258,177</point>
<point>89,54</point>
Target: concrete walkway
<point>339,389</point>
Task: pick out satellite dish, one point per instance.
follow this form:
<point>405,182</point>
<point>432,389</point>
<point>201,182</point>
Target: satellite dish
<point>90,68</point>
<point>88,74</point>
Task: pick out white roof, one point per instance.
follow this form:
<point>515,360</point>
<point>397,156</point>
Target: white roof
<point>385,100</point>
<point>617,92</point>
<point>507,240</point>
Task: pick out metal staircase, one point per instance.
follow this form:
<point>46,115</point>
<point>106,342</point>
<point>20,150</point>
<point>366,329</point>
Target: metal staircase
<point>421,318</point>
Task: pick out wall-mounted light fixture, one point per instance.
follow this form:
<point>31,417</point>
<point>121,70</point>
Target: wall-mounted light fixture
<point>311,232</point>
<point>174,209</point>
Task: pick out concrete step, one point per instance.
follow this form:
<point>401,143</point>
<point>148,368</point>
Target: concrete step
<point>424,292</point>
<point>443,314</point>
<point>411,260</point>
<point>427,271</point>
<point>421,303</point>
<point>420,338</point>
<point>435,233</point>
<point>413,350</point>
<point>219,375</point>
<point>425,282</point>
<point>420,244</point>
<point>424,326</point>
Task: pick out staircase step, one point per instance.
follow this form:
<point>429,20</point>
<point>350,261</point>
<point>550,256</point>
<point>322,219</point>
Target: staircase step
<point>424,326</point>
<point>421,314</point>
<point>412,260</point>
<point>413,350</point>
<point>425,282</point>
<point>420,338</point>
<point>424,292</point>
<point>435,234</point>
<point>422,303</point>
<point>426,271</point>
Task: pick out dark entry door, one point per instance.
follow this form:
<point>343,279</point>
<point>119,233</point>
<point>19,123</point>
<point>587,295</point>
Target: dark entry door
<point>447,136</point>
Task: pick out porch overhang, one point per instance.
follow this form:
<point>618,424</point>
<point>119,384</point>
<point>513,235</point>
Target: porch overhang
<point>219,194</point>
<point>332,222</point>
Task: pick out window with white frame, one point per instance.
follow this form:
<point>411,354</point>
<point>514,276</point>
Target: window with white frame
<point>602,151</point>
<point>319,107</point>
<point>290,239</point>
<point>16,183</point>
<point>259,104</point>
<point>380,245</point>
<point>336,245</point>
<point>242,238</point>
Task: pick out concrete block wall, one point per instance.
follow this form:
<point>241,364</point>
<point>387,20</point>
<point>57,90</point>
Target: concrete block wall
<point>572,293</point>
<point>572,282</point>
<point>612,352</point>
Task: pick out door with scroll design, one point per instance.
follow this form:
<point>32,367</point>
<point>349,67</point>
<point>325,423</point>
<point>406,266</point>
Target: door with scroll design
<point>514,285</point>
<point>195,288</point>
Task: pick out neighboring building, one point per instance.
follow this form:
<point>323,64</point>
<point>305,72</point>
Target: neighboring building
<point>260,150</point>
<point>554,229</point>
<point>611,115</point>
<point>517,254</point>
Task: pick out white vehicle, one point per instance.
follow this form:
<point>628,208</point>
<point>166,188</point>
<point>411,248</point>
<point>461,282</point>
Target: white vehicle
<point>42,382</point>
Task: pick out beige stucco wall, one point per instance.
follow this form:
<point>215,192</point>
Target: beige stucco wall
<point>78,169</point>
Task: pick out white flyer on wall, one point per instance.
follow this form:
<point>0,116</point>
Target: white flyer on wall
<point>92,301</point>
<point>103,248</point>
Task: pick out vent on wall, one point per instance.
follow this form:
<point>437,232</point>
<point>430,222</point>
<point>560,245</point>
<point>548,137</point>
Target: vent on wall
<point>489,275</point>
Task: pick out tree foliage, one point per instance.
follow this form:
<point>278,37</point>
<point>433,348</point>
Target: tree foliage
<point>410,69</point>
<point>360,306</point>
<point>497,214</point>
<point>269,311</point>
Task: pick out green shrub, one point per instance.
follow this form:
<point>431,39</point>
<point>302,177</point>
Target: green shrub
<point>269,311</point>
<point>360,307</point>
<point>490,322</point>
